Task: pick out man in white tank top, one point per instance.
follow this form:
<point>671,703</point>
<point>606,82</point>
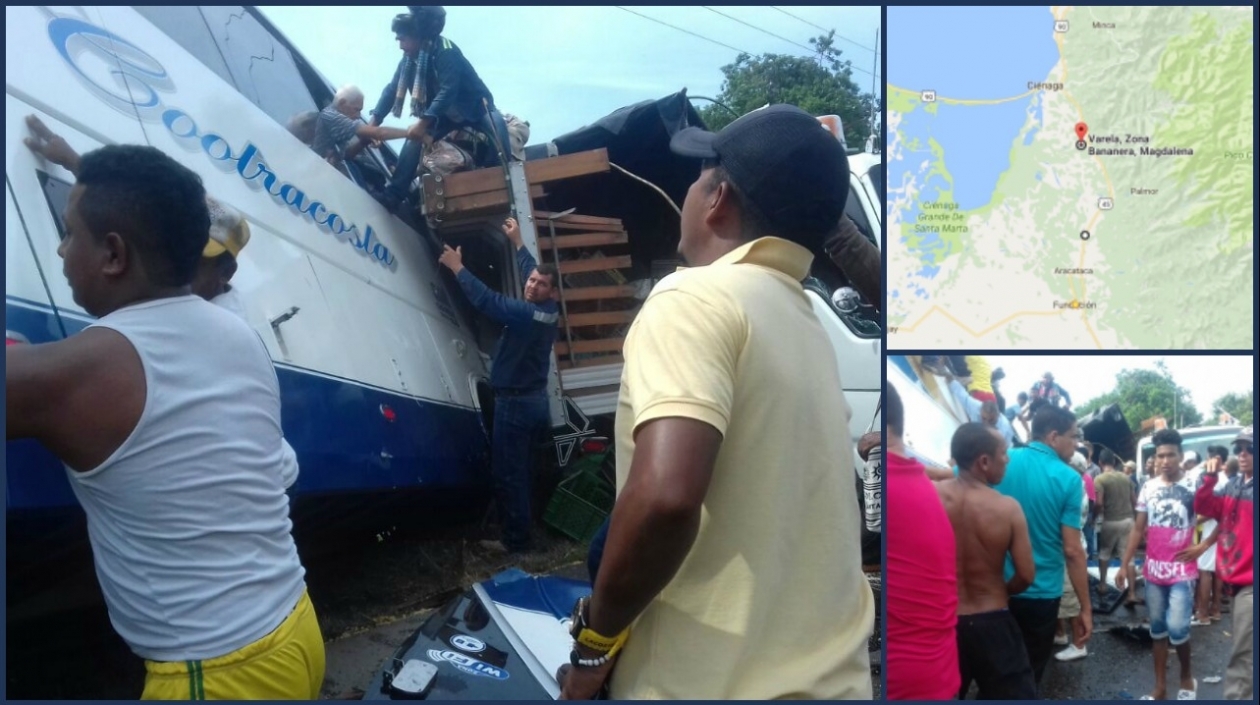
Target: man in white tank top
<point>229,234</point>
<point>166,413</point>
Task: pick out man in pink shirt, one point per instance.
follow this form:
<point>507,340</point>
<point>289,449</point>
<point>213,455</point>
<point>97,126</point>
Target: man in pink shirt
<point>920,574</point>
<point>1165,518</point>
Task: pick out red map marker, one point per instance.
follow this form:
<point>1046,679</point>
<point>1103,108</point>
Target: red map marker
<point>1081,129</point>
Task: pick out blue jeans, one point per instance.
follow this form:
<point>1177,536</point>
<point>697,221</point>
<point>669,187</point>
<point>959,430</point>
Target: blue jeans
<point>1091,539</point>
<point>1169,607</point>
<point>519,423</point>
<point>492,125</point>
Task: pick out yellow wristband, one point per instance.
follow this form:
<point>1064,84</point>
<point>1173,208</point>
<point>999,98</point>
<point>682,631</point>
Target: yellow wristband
<point>594,640</point>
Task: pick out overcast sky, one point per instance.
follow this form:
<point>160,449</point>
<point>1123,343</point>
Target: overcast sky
<point>562,68</point>
<point>1086,377</point>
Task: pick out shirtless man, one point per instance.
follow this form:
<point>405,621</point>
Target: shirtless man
<point>988,526</point>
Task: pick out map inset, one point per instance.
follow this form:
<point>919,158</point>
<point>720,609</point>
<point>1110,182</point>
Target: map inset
<point>1070,177</point>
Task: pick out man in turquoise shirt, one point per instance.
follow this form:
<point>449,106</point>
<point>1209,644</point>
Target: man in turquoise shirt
<point>1050,493</point>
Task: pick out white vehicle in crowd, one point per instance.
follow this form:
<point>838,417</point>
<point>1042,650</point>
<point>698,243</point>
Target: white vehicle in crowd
<point>1193,438</point>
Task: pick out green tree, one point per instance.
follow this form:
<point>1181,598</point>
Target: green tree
<point>820,85</point>
<point>1240,406</point>
<point>1143,394</point>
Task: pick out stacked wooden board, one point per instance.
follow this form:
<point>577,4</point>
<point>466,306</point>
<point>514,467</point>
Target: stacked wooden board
<point>591,252</point>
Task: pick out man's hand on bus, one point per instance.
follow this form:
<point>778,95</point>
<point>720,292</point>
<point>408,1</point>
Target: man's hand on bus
<point>51,146</point>
<point>452,259</point>
<point>512,229</point>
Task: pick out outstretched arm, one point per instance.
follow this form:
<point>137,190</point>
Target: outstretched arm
<point>490,303</point>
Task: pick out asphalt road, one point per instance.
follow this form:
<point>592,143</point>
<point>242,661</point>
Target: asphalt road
<point>1120,665</point>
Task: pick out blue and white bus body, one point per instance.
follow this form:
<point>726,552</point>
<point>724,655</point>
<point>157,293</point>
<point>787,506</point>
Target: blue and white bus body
<point>931,415</point>
<point>378,373</point>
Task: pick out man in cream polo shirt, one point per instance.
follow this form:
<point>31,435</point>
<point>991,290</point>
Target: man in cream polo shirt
<point>732,568</point>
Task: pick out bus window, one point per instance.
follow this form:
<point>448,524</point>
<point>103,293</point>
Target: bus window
<point>188,28</point>
<point>57,193</point>
<point>263,69</point>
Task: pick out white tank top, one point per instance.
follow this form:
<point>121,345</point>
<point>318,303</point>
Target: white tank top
<point>188,519</point>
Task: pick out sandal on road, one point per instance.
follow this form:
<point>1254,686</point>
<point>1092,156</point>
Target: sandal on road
<point>1200,622</point>
<point>1192,694</point>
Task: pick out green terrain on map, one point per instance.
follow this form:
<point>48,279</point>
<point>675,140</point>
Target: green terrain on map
<point>1171,263</point>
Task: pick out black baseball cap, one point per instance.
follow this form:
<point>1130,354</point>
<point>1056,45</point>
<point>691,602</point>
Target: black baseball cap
<point>791,170</point>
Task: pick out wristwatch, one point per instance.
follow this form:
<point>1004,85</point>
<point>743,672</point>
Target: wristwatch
<point>582,634</point>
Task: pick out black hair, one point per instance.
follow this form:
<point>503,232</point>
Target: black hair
<point>1166,437</point>
<point>1218,451</point>
<point>156,204</point>
<point>1051,418</point>
<point>549,270</point>
<point>753,224</point>
<point>971,441</point>
<point>1022,397</point>
<point>1107,458</point>
<point>894,413</point>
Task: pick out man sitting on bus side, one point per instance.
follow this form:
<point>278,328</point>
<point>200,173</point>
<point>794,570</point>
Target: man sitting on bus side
<point>445,93</point>
<point>340,122</point>
<point>519,378</point>
<point>166,413</point>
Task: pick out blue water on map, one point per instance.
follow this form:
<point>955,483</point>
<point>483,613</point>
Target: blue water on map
<point>972,53</point>
<point>977,142</point>
<point>1035,114</point>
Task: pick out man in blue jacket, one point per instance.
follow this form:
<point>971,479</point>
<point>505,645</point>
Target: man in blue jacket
<point>445,94</point>
<point>518,376</point>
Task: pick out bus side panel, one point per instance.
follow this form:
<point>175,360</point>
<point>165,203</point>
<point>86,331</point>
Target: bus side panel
<point>352,437</point>
<point>38,83</point>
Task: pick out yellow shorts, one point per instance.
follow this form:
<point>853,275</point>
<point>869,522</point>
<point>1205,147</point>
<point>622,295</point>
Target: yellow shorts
<point>287,664</point>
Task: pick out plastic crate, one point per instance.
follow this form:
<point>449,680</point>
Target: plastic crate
<point>580,505</point>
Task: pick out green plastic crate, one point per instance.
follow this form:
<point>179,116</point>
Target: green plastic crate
<point>580,505</point>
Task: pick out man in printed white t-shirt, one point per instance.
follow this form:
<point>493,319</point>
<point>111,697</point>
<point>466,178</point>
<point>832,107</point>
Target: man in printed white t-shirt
<point>166,413</point>
<point>1165,517</point>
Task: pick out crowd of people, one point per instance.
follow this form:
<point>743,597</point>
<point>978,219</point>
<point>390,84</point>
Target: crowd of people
<point>166,413</point>
<point>986,562</point>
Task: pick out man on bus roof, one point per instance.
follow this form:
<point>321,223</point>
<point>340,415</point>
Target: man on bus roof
<point>445,93</point>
